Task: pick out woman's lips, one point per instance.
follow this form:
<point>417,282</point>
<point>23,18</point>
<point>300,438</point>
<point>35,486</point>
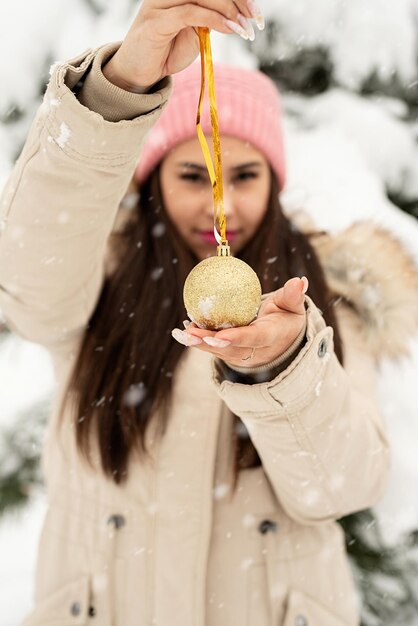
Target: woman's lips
<point>209,237</point>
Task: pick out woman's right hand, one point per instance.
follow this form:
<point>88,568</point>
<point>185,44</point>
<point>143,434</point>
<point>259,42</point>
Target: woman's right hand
<point>163,38</point>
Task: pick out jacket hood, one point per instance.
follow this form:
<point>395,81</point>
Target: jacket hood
<point>371,270</point>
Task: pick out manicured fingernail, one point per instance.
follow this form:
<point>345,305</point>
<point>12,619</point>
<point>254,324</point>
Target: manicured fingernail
<point>185,338</point>
<point>247,26</point>
<point>255,11</point>
<point>236,28</point>
<point>305,284</point>
<point>186,323</point>
<point>216,343</point>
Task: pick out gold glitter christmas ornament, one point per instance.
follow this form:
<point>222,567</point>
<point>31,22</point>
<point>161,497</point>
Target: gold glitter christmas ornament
<point>221,292</point>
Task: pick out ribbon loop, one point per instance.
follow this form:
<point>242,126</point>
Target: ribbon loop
<point>215,172</point>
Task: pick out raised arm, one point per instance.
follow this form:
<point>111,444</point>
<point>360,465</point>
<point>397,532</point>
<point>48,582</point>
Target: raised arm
<point>60,202</point>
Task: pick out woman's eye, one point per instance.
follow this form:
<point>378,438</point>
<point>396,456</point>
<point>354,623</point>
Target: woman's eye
<point>194,178</point>
<point>246,176</point>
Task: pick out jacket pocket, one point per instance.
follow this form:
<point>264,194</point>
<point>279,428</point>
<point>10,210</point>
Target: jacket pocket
<point>302,610</point>
<point>70,605</point>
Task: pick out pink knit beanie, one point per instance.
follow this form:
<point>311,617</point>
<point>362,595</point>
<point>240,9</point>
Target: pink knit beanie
<point>249,108</point>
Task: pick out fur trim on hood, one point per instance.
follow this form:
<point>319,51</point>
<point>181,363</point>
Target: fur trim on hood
<point>370,269</point>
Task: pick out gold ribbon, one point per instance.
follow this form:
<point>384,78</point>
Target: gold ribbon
<point>215,173</point>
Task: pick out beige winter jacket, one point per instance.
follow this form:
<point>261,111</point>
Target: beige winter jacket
<point>173,547</point>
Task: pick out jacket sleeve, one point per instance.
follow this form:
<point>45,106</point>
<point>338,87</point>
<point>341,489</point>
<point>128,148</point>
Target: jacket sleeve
<point>316,426</point>
<point>61,200</point>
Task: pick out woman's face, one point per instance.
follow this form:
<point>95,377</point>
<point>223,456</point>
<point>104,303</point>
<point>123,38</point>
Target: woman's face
<point>188,197</point>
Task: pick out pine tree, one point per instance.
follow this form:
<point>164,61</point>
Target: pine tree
<point>20,473</point>
<point>312,49</point>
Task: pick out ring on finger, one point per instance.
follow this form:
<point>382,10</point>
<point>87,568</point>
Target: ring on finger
<point>248,358</point>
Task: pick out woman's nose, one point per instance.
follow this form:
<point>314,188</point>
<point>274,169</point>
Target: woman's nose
<point>228,204</point>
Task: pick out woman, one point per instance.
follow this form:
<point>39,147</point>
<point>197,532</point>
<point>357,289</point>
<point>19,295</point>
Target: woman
<point>186,489</point>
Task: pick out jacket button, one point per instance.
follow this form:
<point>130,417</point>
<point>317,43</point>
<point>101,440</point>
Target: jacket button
<point>322,348</point>
<point>301,620</point>
<point>92,611</point>
<point>267,525</point>
<point>75,609</point>
<point>117,520</point>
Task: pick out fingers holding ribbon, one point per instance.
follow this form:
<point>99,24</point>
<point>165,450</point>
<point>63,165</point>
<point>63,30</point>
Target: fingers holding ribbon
<point>248,10</point>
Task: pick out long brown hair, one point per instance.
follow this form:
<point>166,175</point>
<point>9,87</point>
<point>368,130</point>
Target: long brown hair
<point>124,372</point>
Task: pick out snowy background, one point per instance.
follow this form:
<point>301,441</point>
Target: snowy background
<point>348,72</point>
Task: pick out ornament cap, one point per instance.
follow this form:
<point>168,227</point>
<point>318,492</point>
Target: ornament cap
<point>223,249</point>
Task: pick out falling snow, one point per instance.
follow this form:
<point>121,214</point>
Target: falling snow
<point>220,491</point>
<point>158,230</point>
<point>63,217</point>
<point>64,135</point>
<point>130,201</point>
<point>206,305</point>
<point>248,521</point>
<point>135,395</point>
<point>246,564</point>
<point>54,67</point>
<point>157,273</point>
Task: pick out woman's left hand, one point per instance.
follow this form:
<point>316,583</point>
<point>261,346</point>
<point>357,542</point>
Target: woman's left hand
<point>281,318</point>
